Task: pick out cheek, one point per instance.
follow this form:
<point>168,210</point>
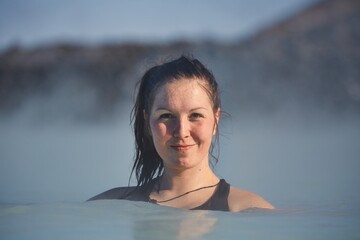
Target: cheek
<point>158,130</point>
<point>204,132</point>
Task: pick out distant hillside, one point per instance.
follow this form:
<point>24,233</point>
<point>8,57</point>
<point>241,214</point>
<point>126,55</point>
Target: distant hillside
<point>313,57</point>
<point>310,60</point>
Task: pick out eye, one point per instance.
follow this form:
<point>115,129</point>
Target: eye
<point>194,116</point>
<point>166,116</point>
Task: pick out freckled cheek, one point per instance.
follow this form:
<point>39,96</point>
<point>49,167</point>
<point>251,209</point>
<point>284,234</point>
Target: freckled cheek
<point>159,130</point>
<point>205,133</point>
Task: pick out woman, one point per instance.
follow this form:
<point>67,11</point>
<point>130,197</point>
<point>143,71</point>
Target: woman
<point>176,118</point>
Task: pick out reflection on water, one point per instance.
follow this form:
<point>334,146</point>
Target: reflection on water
<point>197,224</point>
<point>119,219</point>
<point>176,225</point>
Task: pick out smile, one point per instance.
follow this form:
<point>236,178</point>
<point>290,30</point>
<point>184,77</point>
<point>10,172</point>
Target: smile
<point>182,147</point>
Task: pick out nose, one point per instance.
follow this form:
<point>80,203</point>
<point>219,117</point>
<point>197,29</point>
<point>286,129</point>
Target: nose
<point>181,128</point>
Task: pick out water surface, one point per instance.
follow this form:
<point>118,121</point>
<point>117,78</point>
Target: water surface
<point>119,219</point>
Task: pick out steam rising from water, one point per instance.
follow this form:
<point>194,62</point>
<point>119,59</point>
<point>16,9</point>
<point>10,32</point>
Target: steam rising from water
<point>285,158</point>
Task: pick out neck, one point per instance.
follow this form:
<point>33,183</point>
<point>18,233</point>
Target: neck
<point>185,180</point>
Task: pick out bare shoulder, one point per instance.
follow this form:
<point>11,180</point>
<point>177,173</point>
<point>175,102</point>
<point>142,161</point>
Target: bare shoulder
<point>114,193</point>
<point>241,200</point>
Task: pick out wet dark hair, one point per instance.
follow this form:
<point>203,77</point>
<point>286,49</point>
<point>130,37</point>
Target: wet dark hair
<point>148,164</point>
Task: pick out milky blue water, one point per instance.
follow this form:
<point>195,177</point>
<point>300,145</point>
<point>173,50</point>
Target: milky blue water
<point>119,219</point>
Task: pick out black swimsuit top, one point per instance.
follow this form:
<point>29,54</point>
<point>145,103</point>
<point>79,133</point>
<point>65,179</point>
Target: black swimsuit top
<point>218,201</point>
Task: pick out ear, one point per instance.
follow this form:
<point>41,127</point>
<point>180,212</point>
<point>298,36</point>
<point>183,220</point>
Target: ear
<point>217,119</point>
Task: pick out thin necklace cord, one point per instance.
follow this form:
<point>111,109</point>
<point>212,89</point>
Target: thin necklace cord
<point>181,195</point>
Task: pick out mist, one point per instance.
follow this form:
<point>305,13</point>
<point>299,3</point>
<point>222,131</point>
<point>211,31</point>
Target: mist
<point>287,157</point>
<point>302,160</point>
<point>62,161</point>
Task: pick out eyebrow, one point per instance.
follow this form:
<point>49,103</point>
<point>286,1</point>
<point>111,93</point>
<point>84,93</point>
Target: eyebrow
<point>191,110</point>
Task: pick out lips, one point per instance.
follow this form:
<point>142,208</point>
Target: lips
<point>182,147</point>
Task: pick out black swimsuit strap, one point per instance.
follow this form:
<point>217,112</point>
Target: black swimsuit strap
<point>219,200</point>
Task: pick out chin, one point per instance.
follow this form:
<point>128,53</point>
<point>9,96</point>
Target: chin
<point>183,163</point>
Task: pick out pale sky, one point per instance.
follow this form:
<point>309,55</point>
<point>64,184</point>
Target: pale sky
<point>34,22</point>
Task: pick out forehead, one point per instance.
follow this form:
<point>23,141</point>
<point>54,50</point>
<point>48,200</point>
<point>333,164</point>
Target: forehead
<point>182,92</point>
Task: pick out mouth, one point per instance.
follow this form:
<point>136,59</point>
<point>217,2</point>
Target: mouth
<point>182,148</point>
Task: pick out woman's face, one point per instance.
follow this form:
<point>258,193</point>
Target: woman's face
<point>182,123</point>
